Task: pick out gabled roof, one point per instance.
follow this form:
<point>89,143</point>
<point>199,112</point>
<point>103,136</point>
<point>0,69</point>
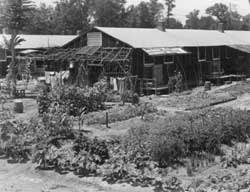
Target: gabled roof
<point>154,38</point>
<point>242,48</point>
<point>240,36</point>
<point>141,37</point>
<point>40,41</point>
<point>200,38</point>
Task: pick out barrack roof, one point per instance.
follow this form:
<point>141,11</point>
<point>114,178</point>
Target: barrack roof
<point>40,41</point>
<point>151,38</point>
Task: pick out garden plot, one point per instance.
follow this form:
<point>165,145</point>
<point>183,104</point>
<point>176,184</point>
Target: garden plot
<point>191,100</point>
<point>242,102</point>
<point>143,147</point>
<point>236,89</point>
<point>120,113</point>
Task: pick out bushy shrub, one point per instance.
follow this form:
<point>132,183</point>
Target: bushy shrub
<point>44,101</point>
<point>90,98</point>
<point>75,99</point>
<point>174,138</point>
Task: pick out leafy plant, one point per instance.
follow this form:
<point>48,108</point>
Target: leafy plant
<point>44,101</point>
<point>120,113</point>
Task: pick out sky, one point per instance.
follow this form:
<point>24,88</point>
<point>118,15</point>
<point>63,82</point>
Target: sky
<point>183,7</point>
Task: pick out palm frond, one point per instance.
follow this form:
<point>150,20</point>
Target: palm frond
<point>7,42</point>
<point>18,40</point>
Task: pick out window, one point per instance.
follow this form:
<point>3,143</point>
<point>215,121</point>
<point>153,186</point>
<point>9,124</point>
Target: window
<point>201,53</point>
<point>227,52</point>
<point>216,66</point>
<point>39,64</point>
<point>209,53</point>
<point>169,60</point>
<point>216,53</point>
<point>159,60</point>
<point>148,71</point>
<point>171,69</point>
<point>94,39</point>
<point>2,55</point>
<point>148,60</point>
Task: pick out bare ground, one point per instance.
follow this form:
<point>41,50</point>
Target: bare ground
<point>25,178</point>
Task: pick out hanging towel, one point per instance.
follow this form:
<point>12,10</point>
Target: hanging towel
<point>115,84</point>
<point>121,85</point>
<point>47,77</point>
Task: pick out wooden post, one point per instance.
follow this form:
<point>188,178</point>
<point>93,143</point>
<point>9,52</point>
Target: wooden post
<point>155,81</point>
<point>141,87</point>
<point>107,120</point>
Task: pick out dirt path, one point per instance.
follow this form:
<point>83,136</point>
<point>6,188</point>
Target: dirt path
<point>25,178</point>
<point>242,102</point>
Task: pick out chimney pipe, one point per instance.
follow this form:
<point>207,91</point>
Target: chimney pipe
<point>221,27</point>
<point>5,31</point>
<point>161,26</point>
<point>79,32</point>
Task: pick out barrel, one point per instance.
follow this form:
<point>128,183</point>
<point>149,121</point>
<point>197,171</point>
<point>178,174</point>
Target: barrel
<point>207,85</point>
<point>18,106</point>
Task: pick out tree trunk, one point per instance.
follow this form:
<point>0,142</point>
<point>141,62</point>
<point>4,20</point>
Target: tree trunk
<point>13,65</point>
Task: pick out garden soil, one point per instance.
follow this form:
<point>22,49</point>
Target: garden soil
<point>25,178</point>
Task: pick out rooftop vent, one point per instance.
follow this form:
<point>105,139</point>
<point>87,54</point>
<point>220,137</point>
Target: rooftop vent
<point>161,25</point>
<point>79,32</point>
<point>221,27</point>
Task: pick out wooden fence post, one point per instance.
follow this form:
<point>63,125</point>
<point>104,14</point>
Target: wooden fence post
<point>107,120</point>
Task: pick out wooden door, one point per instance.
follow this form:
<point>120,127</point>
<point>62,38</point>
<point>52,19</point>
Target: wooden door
<point>158,73</point>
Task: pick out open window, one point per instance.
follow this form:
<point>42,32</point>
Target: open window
<point>227,53</point>
<point>148,60</point>
<point>169,59</point>
<point>201,54</point>
<point>216,66</point>
<point>39,64</point>
<point>3,55</point>
<point>148,71</point>
<point>216,53</point>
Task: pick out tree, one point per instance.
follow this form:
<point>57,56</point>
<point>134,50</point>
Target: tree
<point>41,21</point>
<point>235,21</point>
<point>155,9</point>
<point>109,13</point>
<point>170,4</point>
<point>246,22</point>
<point>192,21</point>
<point>145,19</point>
<point>15,18</point>
<point>132,16</point>
<point>220,11</point>
<point>174,24</point>
<point>207,22</point>
<point>2,9</point>
<point>71,15</point>
<point>145,14</point>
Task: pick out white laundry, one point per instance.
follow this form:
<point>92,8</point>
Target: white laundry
<point>115,84</point>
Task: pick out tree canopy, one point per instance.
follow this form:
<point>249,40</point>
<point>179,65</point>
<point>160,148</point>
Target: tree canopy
<point>15,14</point>
<point>145,14</point>
<point>109,13</point>
<point>15,17</point>
<point>170,4</point>
<point>193,20</point>
<point>69,16</point>
<point>220,11</point>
